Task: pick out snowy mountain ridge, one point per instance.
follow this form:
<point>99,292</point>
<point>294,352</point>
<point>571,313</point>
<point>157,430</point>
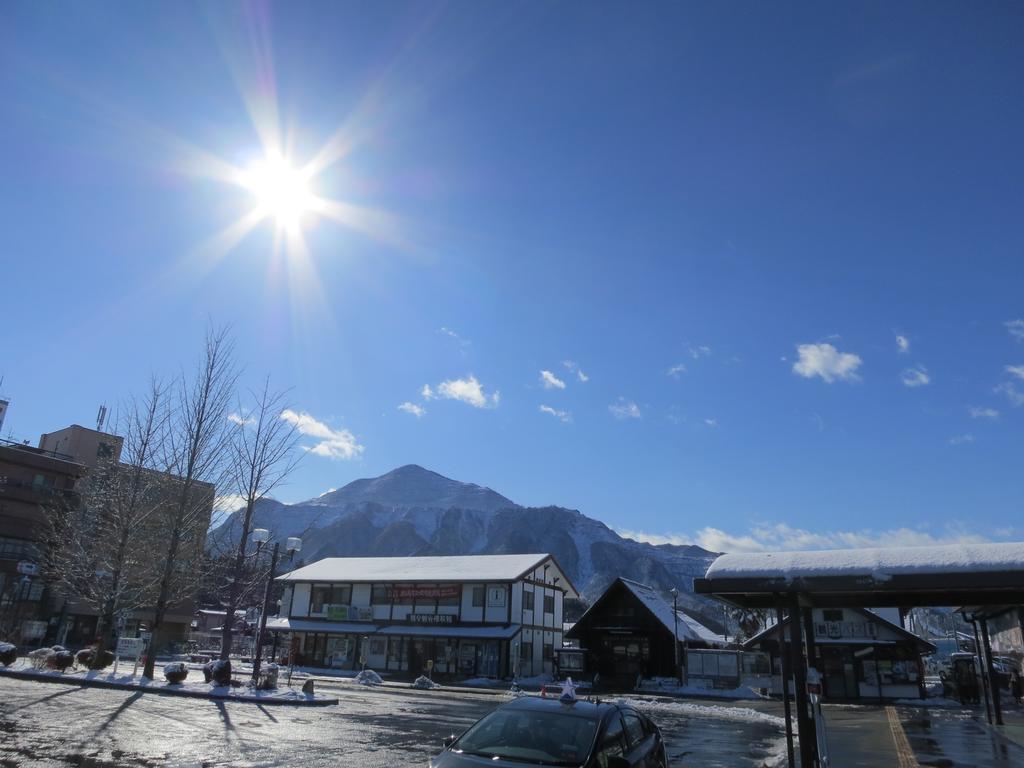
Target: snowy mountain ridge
<point>413,511</point>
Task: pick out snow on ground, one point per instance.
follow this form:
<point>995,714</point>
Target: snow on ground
<point>736,714</point>
<point>193,687</point>
<point>669,687</point>
<point>523,682</point>
<point>425,683</point>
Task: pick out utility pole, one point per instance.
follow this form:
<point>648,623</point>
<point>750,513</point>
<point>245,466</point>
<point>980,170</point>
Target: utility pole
<point>675,635</point>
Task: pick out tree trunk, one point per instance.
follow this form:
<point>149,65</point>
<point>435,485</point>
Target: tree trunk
<point>236,578</point>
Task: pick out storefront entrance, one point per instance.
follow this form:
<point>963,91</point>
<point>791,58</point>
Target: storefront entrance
<point>840,673</point>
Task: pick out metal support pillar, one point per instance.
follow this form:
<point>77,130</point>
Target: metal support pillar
<point>812,651</point>
<point>984,678</point>
<point>805,727</point>
<point>993,681</point>
<point>786,674</point>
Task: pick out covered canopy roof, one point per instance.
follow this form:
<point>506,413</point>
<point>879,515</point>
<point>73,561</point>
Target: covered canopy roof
<point>968,574</point>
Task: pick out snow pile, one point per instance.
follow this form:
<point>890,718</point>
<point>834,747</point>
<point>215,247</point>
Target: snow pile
<point>670,686</point>
<point>369,677</point>
<point>425,683</point>
<point>722,712</point>
<point>880,563</point>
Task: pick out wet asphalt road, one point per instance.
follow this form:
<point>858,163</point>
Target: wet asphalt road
<point>46,724</point>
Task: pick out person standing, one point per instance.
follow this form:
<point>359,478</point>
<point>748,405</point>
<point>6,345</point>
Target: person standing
<point>1015,686</point>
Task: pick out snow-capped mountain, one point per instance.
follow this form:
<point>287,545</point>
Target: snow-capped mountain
<point>413,511</point>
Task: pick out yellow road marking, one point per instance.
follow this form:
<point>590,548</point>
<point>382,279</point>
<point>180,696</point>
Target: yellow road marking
<point>904,753</point>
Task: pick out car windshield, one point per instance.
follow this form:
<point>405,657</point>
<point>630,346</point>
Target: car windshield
<point>542,738</point>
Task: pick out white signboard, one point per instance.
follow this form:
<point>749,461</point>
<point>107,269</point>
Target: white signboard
<point>495,597</point>
<point>130,647</point>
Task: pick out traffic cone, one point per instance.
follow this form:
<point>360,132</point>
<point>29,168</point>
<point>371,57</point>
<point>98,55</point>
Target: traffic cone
<point>543,691</point>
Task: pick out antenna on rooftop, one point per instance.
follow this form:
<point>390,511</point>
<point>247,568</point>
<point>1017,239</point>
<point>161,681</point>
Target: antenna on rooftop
<point>101,417</point>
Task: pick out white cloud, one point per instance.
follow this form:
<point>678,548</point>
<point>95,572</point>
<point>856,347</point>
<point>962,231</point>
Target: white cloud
<point>427,393</point>
<point>550,381</point>
<point>675,370</point>
<point>961,439</point>
<point>572,367</point>
<point>1016,370</point>
<point>241,421</point>
<point>563,416</point>
<point>711,422</point>
<point>413,409</point>
<point>453,335</point>
<point>903,343</point>
<point>1013,394</point>
<point>780,537</point>
<point>983,413</point>
<point>468,390</point>
<point>333,443</point>
<point>826,361</point>
<point>915,377</point>
<point>1016,328</point>
<point>625,409</point>
<point>698,351</point>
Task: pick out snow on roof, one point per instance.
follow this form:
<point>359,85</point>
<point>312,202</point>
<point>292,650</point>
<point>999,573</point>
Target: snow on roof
<point>686,628</point>
<point>877,563</point>
<point>428,569</point>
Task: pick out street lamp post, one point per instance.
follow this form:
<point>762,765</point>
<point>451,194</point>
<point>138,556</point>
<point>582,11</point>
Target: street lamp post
<point>675,637</point>
<point>292,546</point>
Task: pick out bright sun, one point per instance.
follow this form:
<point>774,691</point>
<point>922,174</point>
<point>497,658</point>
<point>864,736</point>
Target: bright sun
<point>281,190</point>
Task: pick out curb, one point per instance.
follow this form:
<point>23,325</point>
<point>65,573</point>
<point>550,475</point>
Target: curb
<point>165,690</point>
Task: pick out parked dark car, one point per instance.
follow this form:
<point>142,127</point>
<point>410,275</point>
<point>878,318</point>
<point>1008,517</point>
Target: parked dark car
<point>535,731</point>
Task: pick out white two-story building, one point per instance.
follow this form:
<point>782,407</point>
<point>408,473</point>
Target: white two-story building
<point>465,616</point>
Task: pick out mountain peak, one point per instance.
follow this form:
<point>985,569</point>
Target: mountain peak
<point>414,486</point>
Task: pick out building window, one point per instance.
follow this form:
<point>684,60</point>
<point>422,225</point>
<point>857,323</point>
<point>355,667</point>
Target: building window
<point>549,603</point>
<point>832,614</point>
<point>453,599</point>
<point>526,650</point>
<point>380,594</point>
<point>478,596</point>
<point>549,651</point>
<point>527,601</point>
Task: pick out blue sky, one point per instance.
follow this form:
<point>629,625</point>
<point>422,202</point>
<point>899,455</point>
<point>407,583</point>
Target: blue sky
<point>782,246</point>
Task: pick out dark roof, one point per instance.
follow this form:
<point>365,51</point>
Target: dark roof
<point>926,647</point>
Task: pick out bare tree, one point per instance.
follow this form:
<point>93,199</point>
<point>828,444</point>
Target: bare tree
<point>263,456</point>
<point>100,549</point>
<point>197,453</point>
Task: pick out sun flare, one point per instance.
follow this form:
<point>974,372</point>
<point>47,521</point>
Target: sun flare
<point>282,191</point>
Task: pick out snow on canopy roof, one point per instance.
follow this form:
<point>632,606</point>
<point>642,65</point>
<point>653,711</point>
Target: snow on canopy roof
<point>689,628</point>
<point>877,563</point>
<point>460,568</point>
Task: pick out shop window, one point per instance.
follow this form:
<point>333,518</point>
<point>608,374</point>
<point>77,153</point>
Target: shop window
<point>377,645</point>
<point>453,599</point>
<point>478,596</point>
<point>832,614</point>
<point>527,600</point>
<point>380,594</point>
<point>549,603</point>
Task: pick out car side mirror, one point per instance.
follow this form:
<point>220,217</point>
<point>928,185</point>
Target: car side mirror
<point>618,761</point>
<point>449,740</point>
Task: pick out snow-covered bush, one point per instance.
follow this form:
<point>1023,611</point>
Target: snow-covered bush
<point>86,658</point>
<point>369,677</point>
<point>175,672</point>
<point>8,654</point>
<point>218,672</point>
<point>269,678</point>
<point>40,657</point>
<point>424,683</point>
<point>60,659</point>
